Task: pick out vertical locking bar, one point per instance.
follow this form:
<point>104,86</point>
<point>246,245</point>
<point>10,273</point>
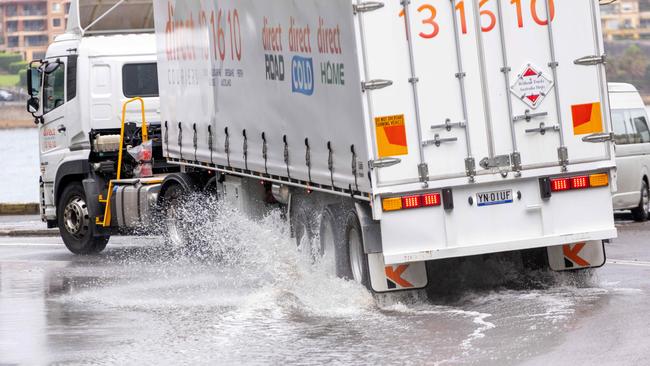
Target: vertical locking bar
<point>516,155</point>
<point>562,152</point>
<point>484,83</point>
<point>470,162</point>
<point>423,169</point>
<point>604,94</point>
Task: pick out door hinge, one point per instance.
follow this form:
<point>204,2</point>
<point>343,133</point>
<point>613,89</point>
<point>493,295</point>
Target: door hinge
<point>563,157</point>
<point>470,168</point>
<point>516,161</point>
<point>375,84</point>
<point>591,60</point>
<point>423,169</point>
<point>383,163</point>
<point>367,7</point>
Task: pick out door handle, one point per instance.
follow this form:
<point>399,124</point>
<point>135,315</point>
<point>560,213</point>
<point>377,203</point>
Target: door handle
<point>599,137</point>
<point>61,129</point>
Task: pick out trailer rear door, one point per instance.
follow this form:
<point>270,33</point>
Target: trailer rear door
<point>483,87</point>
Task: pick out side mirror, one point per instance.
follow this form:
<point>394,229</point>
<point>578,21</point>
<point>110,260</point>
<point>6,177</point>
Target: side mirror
<point>33,105</point>
<point>51,67</point>
<point>33,82</point>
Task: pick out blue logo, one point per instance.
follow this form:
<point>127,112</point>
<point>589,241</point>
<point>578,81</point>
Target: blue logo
<point>302,71</point>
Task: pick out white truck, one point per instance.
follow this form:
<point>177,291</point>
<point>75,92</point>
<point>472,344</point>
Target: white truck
<point>394,133</point>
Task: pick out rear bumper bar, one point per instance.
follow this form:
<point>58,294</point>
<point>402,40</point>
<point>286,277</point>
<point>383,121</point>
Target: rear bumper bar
<point>465,251</point>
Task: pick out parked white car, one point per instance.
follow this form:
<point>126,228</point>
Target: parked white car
<point>632,136</point>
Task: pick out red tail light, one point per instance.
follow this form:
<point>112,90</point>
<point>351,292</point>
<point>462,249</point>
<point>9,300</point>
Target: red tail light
<point>411,202</point>
<point>432,199</point>
<point>560,184</point>
<point>579,182</point>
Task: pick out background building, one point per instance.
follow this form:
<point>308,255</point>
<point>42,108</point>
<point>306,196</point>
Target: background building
<point>626,20</point>
<point>28,26</point>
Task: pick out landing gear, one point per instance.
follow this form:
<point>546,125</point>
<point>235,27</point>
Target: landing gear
<point>76,225</point>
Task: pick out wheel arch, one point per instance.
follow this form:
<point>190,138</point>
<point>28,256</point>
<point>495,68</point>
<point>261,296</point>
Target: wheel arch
<point>188,182</point>
<point>68,172</point>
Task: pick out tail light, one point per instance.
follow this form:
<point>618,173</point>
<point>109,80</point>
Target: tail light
<point>431,200</point>
<point>560,184</point>
<point>392,204</point>
<point>412,201</point>
<point>599,180</point>
<point>578,182</point>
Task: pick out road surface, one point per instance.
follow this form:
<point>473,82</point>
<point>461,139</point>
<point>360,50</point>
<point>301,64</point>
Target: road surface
<point>251,299</point>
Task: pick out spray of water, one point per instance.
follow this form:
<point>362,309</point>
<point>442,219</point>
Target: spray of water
<point>244,291</point>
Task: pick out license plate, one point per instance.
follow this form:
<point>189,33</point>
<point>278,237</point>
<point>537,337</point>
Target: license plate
<point>494,198</point>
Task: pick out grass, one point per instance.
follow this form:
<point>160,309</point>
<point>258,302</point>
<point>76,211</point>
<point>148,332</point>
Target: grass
<point>9,80</point>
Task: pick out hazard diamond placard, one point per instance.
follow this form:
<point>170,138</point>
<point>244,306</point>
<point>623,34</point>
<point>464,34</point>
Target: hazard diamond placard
<point>532,86</point>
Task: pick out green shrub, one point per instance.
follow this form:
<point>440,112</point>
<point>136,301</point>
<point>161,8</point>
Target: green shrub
<point>16,67</point>
<point>7,59</point>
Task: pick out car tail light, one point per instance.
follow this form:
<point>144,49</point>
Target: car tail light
<point>580,182</point>
<point>599,180</point>
<point>431,200</point>
<point>392,204</point>
<point>411,202</point>
<point>560,184</point>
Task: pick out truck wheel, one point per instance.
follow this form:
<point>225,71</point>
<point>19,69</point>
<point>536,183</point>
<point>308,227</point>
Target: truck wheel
<point>340,235</point>
<point>641,213</point>
<point>302,224</point>
<point>76,226</point>
<point>175,224</point>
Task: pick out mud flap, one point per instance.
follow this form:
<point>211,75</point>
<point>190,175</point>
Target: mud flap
<point>399,277</point>
<point>577,256</point>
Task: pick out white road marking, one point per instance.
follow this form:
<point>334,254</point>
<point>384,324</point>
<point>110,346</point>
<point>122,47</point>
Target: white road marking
<point>629,263</point>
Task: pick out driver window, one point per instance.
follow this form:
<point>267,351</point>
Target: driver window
<point>54,90</point>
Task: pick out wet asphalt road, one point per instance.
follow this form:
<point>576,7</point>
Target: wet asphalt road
<point>252,300</point>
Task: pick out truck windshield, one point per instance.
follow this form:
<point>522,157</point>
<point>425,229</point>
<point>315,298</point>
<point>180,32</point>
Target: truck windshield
<point>140,80</point>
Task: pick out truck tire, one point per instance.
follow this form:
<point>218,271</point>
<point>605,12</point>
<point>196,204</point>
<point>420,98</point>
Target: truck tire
<point>76,224</point>
<point>340,234</point>
<point>302,220</point>
<point>176,226</point>
<point>641,213</point>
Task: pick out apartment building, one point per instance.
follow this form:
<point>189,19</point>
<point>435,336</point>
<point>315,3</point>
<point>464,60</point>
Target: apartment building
<point>28,26</point>
<point>626,20</point>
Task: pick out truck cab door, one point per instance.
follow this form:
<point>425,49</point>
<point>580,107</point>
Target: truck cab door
<point>53,137</point>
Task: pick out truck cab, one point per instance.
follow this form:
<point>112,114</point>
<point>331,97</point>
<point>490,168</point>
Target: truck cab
<point>77,91</point>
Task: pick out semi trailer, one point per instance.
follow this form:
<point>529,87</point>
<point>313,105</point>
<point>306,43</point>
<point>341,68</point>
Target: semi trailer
<point>392,133</point>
